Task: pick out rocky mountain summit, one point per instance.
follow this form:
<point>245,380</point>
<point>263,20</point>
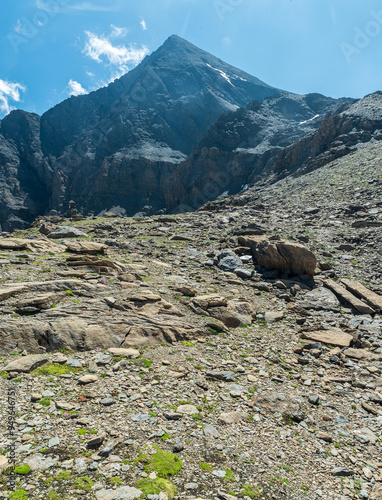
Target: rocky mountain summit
<point>230,353</point>
<point>116,146</point>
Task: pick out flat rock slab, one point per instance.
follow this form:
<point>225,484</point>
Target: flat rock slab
<point>362,354</point>
<point>125,353</point>
<point>66,232</point>
<point>3,462</point>
<point>212,300</point>
<point>345,295</point>
<point>187,409</point>
<point>61,405</point>
<point>320,299</point>
<point>123,493</point>
<point>27,363</point>
<point>334,336</point>
<point>273,316</point>
<point>211,431</point>
<point>41,462</point>
<point>374,300</point>
<point>231,417</point>
<point>5,293</point>
<point>33,245</point>
<point>88,247</point>
<point>88,379</point>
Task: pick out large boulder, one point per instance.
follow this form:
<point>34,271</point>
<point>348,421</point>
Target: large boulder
<point>284,256</point>
<point>27,363</point>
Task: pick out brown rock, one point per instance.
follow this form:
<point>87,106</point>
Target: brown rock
<point>346,296</point>
<point>232,417</point>
<point>61,405</point>
<point>30,244</point>
<point>125,353</point>
<point>27,363</point>
<point>88,379</point>
<point>187,409</point>
<point>374,300</point>
<point>273,316</point>
<point>237,313</point>
<point>324,436</point>
<point>333,336</point>
<point>283,256</point>
<point>3,462</point>
<point>86,247</point>
<point>362,354</point>
<point>207,301</point>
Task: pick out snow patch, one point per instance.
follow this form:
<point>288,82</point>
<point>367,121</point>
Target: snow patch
<point>307,121</point>
<point>224,75</point>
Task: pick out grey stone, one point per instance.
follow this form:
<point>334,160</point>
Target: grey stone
<point>54,442</point>
<point>27,363</point>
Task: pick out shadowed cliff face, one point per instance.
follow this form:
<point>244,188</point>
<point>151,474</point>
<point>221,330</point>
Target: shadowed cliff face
<point>25,174</point>
<point>339,134</point>
<point>117,146</point>
<point>243,147</point>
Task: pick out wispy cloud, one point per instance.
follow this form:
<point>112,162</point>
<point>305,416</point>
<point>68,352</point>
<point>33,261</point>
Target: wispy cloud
<point>118,32</point>
<point>88,6</point>
<point>9,92</point>
<point>143,24</point>
<point>75,88</point>
<point>100,49</point>
<point>64,6</point>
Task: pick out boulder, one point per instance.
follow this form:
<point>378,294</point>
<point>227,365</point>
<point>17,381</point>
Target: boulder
<point>66,232</point>
<point>334,336</point>
<point>283,256</point>
<point>88,247</point>
<point>207,301</point>
<point>228,261</point>
<point>125,353</point>
<point>27,363</point>
<point>231,417</point>
<point>236,313</point>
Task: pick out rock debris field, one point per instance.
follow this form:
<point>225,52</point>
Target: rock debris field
<point>229,353</point>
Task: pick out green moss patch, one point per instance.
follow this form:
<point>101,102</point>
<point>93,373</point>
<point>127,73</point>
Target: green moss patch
<point>83,483</point>
<point>18,495</point>
<point>53,495</point>
<point>155,486</point>
<point>54,369</point>
<point>22,469</point>
<point>162,462</point>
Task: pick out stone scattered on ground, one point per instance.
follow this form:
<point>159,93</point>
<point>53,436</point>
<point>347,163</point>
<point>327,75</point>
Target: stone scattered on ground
<point>183,366</point>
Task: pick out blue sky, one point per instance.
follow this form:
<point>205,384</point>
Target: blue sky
<point>51,49</point>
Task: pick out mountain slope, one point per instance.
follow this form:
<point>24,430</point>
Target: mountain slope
<point>338,135</point>
<point>244,145</point>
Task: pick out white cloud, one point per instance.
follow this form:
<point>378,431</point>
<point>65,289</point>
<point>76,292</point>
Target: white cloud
<point>9,92</point>
<point>75,88</point>
<point>227,42</point>
<point>143,24</point>
<point>63,6</point>
<point>100,49</point>
<point>118,32</point>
